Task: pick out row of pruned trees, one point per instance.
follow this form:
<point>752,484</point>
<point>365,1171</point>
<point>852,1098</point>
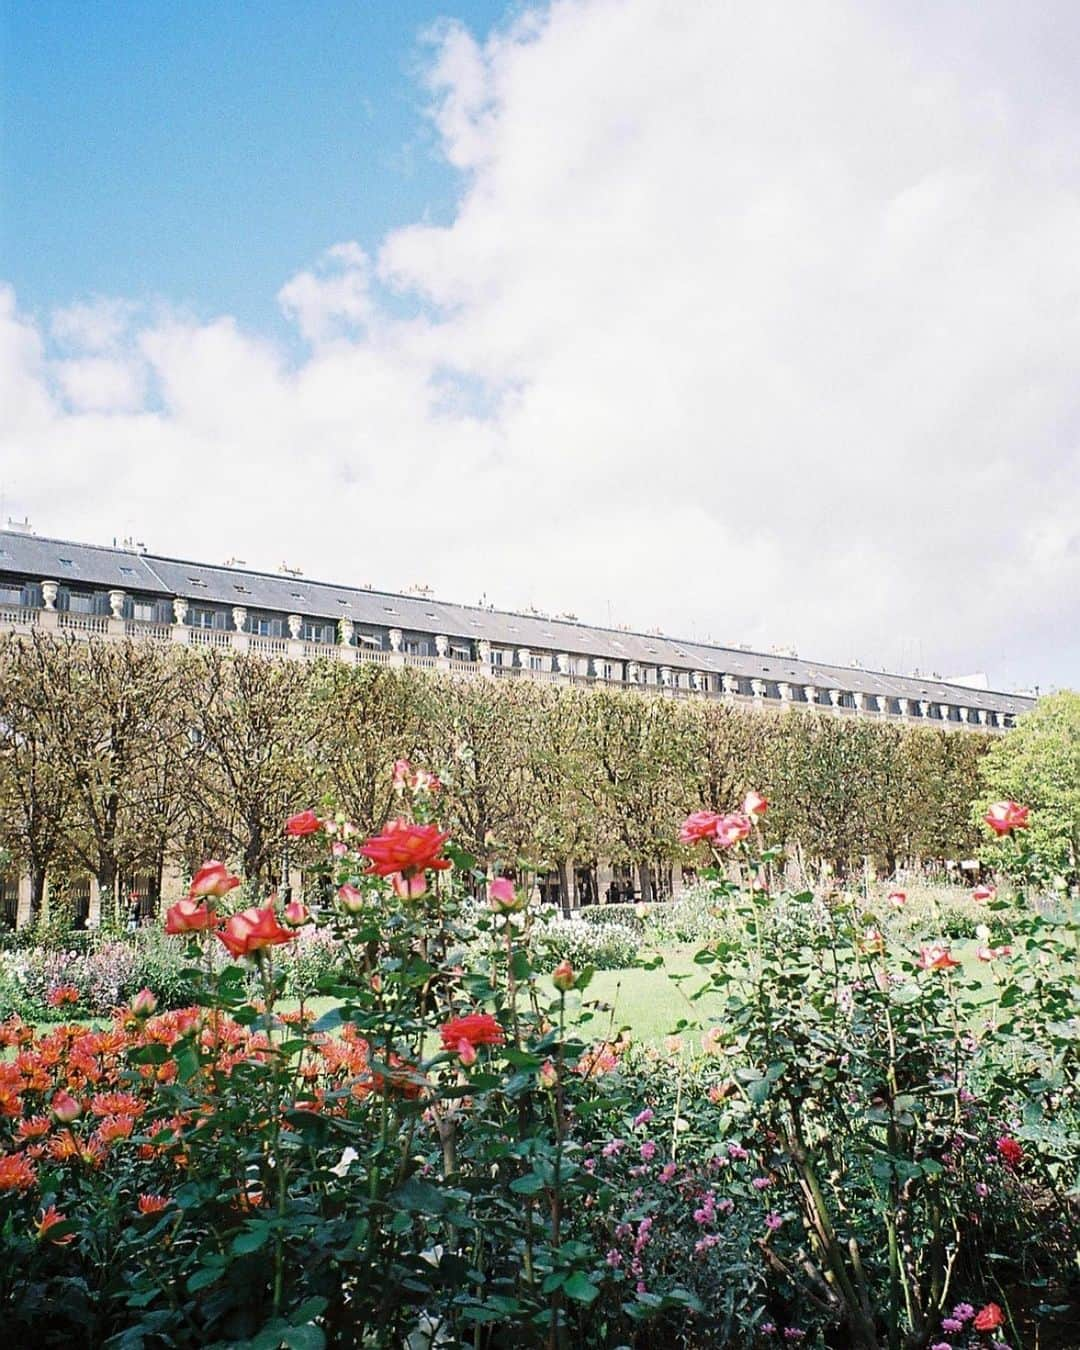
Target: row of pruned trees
<point>115,758</point>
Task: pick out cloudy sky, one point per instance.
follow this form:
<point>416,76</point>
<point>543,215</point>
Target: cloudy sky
<point>751,321</point>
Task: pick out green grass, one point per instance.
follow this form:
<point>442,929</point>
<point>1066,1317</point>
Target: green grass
<point>650,1002</point>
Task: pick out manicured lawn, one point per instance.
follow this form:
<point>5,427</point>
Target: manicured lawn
<point>650,1002</point>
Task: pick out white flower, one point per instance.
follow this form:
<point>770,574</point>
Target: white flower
<point>346,1160</point>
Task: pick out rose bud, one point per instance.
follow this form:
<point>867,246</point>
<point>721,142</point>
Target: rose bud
<point>65,1107</point>
<point>296,914</point>
<point>352,899</point>
<point>564,977</point>
<point>144,1004</point>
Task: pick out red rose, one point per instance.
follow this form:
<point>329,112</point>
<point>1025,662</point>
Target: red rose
<point>935,958</point>
<point>212,878</point>
<point>983,893</point>
<point>188,917</point>
<point>475,1029</point>
<point>253,929</point>
<point>701,825</point>
<point>989,1318</point>
<point>731,829</point>
<point>306,822</point>
<point>1004,817</point>
<point>406,848</point>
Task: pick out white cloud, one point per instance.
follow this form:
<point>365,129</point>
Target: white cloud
<point>333,298</point>
<point>756,321</point>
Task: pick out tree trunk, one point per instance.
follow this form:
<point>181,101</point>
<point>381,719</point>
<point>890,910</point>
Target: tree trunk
<point>645,873</point>
<point>564,888</point>
<point>37,893</point>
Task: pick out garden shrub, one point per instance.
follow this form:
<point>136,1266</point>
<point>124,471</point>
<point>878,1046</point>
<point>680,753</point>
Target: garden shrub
<point>842,1144</point>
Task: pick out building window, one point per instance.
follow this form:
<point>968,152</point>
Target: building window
<point>200,617</point>
<point>314,630</point>
<point>496,656</point>
<point>536,662</point>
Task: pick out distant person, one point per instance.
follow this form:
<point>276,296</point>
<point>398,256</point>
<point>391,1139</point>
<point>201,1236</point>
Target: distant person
<point>612,894</point>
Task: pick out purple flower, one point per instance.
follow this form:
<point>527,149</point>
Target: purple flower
<point>761,1184</point>
<point>767,1328</point>
<point>951,1325</point>
<point>963,1312</point>
<point>738,1152</point>
<point>773,1221</point>
<point>611,1148</point>
<point>667,1172</point>
<point>614,1258</point>
<point>941,1345</point>
<point>648,1151</point>
<point>793,1334</point>
<point>643,1117</point>
<point>982,1190</point>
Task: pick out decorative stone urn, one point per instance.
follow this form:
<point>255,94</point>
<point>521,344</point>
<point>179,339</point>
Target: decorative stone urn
<point>179,609</point>
<point>48,593</point>
<point>239,618</point>
<point>296,625</point>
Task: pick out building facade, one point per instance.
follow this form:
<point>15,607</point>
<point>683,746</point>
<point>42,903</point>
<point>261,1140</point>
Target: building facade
<point>50,585</point>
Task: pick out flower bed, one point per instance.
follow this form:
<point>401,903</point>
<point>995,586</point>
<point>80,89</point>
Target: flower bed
<point>837,1146</point>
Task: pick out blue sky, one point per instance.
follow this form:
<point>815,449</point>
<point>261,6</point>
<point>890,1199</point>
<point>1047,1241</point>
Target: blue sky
<point>200,152</point>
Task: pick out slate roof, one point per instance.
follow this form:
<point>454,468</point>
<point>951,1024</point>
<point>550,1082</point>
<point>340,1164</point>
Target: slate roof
<point>32,557</point>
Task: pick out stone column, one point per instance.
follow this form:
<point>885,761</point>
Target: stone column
<point>26,895</point>
<point>48,593</point>
<point>93,916</point>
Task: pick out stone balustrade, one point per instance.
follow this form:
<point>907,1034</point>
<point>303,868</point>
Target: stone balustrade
<point>557,668</point>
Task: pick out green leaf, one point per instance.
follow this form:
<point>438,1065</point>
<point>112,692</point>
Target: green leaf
<point>580,1288</point>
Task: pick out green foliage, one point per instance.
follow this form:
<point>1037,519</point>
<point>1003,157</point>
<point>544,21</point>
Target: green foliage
<point>1039,764</point>
<point>215,748</point>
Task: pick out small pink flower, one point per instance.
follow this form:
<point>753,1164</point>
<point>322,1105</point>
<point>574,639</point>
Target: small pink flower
<point>648,1151</point>
<point>643,1117</point>
<point>773,1221</point>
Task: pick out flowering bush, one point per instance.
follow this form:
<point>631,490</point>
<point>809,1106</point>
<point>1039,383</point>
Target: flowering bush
<point>837,1146</point>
